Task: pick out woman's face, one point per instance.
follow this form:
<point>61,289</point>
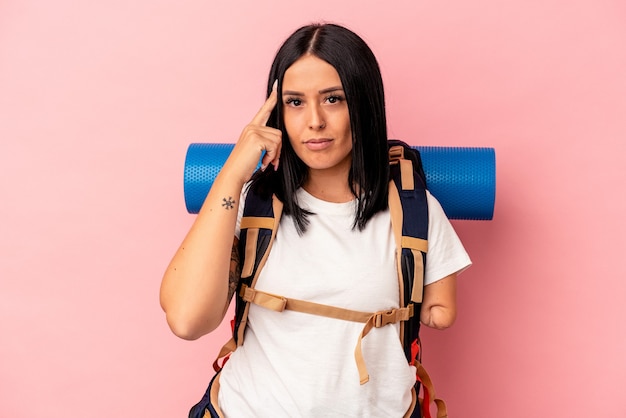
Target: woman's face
<point>316,116</point>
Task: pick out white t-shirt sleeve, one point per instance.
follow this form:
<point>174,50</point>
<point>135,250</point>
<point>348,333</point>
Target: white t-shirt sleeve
<point>446,254</point>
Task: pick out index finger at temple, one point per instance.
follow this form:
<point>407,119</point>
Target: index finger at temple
<point>263,116</point>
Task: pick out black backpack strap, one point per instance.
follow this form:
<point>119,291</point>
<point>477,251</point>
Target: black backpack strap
<point>408,206</point>
<point>409,217</point>
<point>259,223</point>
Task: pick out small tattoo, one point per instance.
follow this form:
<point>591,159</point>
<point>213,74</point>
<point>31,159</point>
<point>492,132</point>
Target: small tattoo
<point>228,204</point>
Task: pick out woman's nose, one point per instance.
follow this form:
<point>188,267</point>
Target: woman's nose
<point>316,118</point>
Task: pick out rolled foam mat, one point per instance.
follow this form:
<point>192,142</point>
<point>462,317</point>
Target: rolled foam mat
<point>463,179</point>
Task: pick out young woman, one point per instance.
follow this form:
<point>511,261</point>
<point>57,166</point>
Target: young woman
<point>322,138</point>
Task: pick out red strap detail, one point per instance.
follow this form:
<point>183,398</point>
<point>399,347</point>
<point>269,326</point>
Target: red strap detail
<point>225,360</point>
<point>216,364</point>
<point>415,349</point>
<point>426,401</point>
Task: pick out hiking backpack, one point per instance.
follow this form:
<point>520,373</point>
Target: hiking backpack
<point>407,196</point>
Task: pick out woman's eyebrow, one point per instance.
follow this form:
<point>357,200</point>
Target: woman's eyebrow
<point>323,91</point>
<point>330,89</point>
<point>292,93</point>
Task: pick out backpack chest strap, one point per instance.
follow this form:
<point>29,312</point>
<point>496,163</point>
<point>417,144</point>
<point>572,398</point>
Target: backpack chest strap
<point>370,319</point>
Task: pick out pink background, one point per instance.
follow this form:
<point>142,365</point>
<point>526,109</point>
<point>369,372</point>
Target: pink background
<point>99,100</point>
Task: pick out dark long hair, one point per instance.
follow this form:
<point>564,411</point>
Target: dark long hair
<point>362,83</point>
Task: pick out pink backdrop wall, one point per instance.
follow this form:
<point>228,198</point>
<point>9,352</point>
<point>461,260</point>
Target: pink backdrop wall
<point>99,100</point>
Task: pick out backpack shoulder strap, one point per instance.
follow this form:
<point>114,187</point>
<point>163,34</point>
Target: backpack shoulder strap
<point>257,230</point>
<point>259,223</point>
<point>409,219</point>
<point>408,206</point>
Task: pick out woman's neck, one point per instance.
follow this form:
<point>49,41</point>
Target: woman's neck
<point>328,187</point>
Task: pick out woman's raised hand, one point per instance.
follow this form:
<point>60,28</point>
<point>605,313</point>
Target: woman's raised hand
<point>255,139</point>
<point>195,288</point>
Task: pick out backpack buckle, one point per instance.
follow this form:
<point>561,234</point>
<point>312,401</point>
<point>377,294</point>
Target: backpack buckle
<point>383,318</point>
<point>391,316</point>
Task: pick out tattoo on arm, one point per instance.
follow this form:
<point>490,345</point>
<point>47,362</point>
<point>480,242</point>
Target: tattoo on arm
<point>228,203</point>
<point>235,271</point>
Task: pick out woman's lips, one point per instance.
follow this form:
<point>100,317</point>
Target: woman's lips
<point>318,144</point>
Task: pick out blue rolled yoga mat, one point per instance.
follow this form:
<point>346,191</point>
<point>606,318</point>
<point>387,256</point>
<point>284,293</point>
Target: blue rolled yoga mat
<point>462,179</point>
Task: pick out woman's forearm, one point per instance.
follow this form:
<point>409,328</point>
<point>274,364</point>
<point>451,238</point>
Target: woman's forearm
<point>195,287</point>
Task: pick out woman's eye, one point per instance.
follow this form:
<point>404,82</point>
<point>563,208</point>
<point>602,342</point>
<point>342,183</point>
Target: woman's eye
<point>293,102</point>
<point>334,99</point>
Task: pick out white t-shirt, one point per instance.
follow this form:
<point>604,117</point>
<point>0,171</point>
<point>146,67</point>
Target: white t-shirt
<point>294,364</point>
